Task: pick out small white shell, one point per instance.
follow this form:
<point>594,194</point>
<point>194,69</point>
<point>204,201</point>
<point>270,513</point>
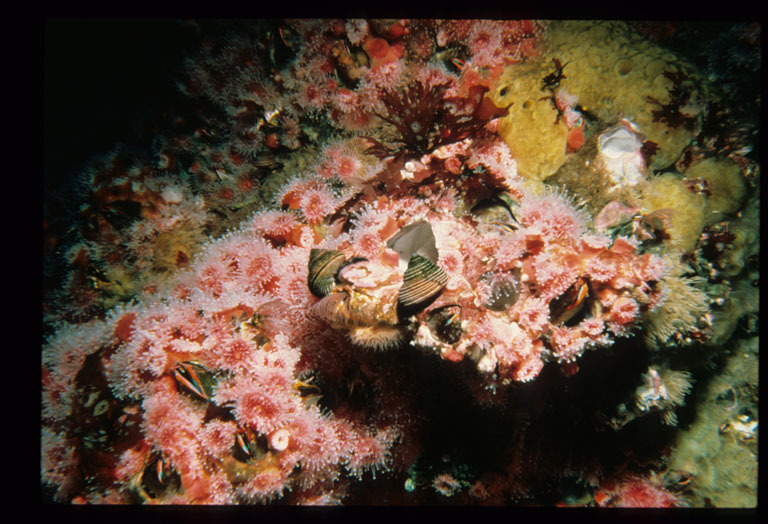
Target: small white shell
<point>620,150</point>
<point>618,141</point>
<point>414,238</point>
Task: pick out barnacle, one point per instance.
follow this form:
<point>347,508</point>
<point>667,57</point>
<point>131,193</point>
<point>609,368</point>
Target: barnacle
<point>445,323</point>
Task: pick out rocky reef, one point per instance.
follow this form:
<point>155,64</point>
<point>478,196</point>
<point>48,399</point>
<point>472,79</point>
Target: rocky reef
<point>405,262</point>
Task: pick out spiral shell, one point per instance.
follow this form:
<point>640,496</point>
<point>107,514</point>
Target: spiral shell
<point>323,266</point>
<point>423,282</point>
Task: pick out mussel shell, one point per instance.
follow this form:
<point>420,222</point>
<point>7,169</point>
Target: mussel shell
<point>676,480</point>
<point>323,266</point>
<point>283,45</point>
<point>423,282</point>
<point>264,160</point>
<point>512,205</point>
<point>569,308</point>
<point>195,379</point>
<point>414,238</point>
<point>501,208</point>
<point>445,323</point>
<point>449,56</point>
<point>156,484</point>
<point>489,211</point>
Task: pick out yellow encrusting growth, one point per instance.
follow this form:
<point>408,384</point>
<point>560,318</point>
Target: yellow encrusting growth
<point>529,129</point>
<point>612,71</point>
<point>725,184</point>
<point>688,211</point>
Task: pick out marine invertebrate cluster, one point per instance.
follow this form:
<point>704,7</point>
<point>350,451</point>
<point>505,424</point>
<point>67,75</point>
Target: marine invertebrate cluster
<point>137,227</point>
<point>351,267</point>
<point>216,354</point>
<point>517,297</point>
<point>200,388</point>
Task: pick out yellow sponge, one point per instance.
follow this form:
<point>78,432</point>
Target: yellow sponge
<point>688,211</point>
<point>725,183</point>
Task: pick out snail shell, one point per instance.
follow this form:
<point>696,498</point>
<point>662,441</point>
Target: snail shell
<point>423,282</point>
<point>323,266</point>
